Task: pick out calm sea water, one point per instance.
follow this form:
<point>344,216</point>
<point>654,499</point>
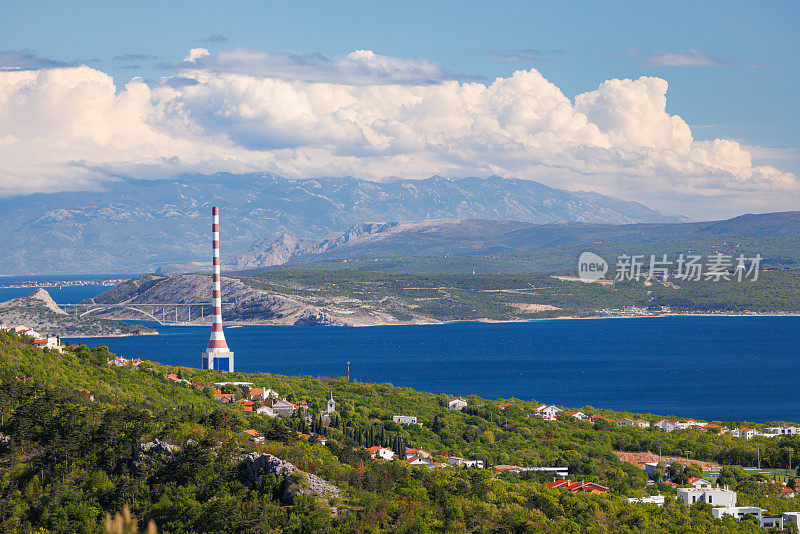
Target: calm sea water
<point>62,295</point>
<point>723,368</point>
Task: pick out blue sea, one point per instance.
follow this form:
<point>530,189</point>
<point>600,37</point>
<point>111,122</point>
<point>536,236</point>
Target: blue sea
<point>62,295</point>
<point>714,368</point>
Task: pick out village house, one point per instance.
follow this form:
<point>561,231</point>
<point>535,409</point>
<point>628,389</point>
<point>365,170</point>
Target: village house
<point>641,423</point>
<point>246,404</point>
<point>791,518</point>
<point>739,512</point>
<point>418,460</point>
<point>322,440</point>
<point>284,408</point>
<point>118,361</point>
<point>405,419</point>
<point>505,405</point>
<point>51,343</point>
<point>174,378</point>
<point>580,416</point>
<point>457,404</point>
<point>381,453</point>
<point>624,422</point>
<point>665,425</point>
<point>783,430</point>
<point>578,487</point>
<point>262,394</point>
<point>422,453</point>
<point>547,412</point>
<point>709,495</point>
<point>510,468</point>
<point>266,410</point>
<point>254,435</point>
<point>224,397</point>
<point>720,429</point>
<point>746,433</point>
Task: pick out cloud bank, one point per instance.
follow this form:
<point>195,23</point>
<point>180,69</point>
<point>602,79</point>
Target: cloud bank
<point>369,116</point>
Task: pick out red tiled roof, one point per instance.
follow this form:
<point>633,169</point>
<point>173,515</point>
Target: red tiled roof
<point>575,487</point>
<point>254,433</point>
<point>506,467</point>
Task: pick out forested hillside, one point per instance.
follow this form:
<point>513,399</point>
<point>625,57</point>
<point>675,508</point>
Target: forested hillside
<point>66,460</point>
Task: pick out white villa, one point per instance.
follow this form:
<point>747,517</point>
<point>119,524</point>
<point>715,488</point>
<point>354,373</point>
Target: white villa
<point>457,404</point>
<point>381,453</point>
<point>713,496</point>
<point>547,412</point>
<point>783,430</point>
<point>51,343</point>
<point>405,419</point>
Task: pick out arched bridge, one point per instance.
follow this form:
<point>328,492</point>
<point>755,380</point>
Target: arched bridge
<point>162,312</point>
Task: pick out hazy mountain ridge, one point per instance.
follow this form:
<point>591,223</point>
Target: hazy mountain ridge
<point>479,236</point>
<point>137,225</point>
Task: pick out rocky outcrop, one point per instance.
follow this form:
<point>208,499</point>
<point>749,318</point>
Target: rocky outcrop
<point>242,304</point>
<point>295,481</point>
<point>152,454</point>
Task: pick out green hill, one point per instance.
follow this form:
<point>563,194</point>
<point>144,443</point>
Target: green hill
<point>66,460</point>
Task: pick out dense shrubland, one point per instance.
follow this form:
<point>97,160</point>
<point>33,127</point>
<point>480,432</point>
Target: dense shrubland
<point>66,461</point>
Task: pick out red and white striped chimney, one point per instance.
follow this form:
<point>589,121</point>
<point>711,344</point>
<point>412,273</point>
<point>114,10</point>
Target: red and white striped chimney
<point>217,347</point>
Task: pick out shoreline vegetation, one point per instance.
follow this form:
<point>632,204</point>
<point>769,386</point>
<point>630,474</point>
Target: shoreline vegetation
<point>362,298</point>
<point>80,438</point>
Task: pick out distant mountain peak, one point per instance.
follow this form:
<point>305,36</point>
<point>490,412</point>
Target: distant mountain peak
<point>136,225</point>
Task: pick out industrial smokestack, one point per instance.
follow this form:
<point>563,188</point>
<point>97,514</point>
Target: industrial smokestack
<point>217,347</point>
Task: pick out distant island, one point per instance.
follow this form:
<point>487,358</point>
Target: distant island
<point>358,297</point>
<point>40,313</point>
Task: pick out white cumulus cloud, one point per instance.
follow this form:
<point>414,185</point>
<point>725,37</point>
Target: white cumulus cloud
<point>370,116</point>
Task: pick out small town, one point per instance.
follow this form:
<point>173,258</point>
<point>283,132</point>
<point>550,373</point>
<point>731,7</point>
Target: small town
<point>311,419</point>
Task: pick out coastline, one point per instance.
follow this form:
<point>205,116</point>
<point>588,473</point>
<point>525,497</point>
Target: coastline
<point>235,324</point>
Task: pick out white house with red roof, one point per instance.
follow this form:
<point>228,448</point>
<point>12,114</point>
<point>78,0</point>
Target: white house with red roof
<point>580,416</point>
<point>381,453</point>
<point>422,453</point>
<point>262,394</point>
<point>666,425</point>
<point>51,343</point>
<point>744,432</point>
<point>224,397</point>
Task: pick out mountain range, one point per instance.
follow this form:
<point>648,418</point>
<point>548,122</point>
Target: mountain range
<point>480,237</point>
<point>133,226</point>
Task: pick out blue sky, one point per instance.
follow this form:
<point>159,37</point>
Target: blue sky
<point>751,97</point>
<point>732,67</point>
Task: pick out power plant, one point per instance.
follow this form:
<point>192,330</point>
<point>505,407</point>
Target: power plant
<point>217,347</point>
